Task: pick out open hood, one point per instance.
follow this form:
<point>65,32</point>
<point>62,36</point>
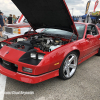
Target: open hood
<point>47,14</point>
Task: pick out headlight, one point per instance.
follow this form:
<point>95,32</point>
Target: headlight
<point>16,30</point>
<point>40,56</point>
<point>29,70</point>
<point>33,55</point>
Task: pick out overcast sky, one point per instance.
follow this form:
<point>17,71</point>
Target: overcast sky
<point>79,7</point>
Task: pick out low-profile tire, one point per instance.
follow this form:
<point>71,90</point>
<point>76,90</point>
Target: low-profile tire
<point>69,66</point>
<point>98,54</point>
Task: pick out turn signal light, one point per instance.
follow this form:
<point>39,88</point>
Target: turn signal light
<point>19,32</point>
<point>29,70</point>
<point>19,29</point>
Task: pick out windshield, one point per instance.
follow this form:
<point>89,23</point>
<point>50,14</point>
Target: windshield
<point>25,21</point>
<point>80,29</point>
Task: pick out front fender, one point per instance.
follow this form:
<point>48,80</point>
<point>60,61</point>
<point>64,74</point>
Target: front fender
<point>54,59</point>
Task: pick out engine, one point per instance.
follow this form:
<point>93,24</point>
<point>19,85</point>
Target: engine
<point>43,42</point>
<point>46,43</point>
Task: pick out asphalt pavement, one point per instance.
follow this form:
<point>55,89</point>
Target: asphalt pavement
<point>84,85</point>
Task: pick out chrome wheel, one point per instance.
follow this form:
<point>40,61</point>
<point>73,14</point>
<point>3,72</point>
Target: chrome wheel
<point>70,65</point>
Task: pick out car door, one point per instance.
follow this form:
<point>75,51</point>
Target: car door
<point>92,44</point>
<point>96,35</point>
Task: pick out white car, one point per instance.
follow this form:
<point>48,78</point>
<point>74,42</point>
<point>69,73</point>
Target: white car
<point>20,28</point>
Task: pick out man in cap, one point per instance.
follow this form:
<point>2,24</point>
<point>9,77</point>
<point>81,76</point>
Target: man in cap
<point>98,24</point>
<point>1,23</point>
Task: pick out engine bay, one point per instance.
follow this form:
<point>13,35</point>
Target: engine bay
<point>40,41</point>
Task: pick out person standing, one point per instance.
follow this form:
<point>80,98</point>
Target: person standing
<point>98,24</point>
<point>14,19</point>
<point>10,19</point>
<point>1,23</point>
<point>3,20</point>
<point>3,17</point>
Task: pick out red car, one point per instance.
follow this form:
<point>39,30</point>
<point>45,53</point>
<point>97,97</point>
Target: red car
<point>56,51</point>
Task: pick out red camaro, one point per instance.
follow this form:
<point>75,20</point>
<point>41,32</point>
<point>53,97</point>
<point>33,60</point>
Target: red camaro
<point>56,51</point>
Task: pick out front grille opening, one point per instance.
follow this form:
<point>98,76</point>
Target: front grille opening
<point>8,30</point>
<point>8,65</point>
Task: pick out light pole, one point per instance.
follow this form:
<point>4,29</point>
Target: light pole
<point>72,11</point>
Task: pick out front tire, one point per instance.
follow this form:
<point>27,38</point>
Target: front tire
<point>68,66</point>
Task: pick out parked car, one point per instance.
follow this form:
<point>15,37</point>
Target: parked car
<point>56,51</point>
<point>20,28</point>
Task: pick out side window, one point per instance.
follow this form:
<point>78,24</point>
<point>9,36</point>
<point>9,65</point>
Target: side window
<point>91,29</point>
<point>94,30</point>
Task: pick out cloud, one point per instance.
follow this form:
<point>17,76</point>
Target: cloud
<point>7,7</point>
<point>74,2</point>
<point>78,6</point>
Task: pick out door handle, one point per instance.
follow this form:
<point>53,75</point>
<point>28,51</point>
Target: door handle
<point>99,38</point>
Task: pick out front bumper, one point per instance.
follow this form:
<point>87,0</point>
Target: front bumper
<point>11,56</point>
<point>9,35</point>
<point>28,78</point>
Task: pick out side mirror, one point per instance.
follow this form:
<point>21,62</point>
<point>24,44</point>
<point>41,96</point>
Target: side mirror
<point>89,36</point>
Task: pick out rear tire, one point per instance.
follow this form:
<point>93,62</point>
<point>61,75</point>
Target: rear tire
<point>69,66</point>
<point>98,54</point>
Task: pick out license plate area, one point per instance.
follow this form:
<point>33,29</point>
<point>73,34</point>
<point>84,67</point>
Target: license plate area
<point>9,66</point>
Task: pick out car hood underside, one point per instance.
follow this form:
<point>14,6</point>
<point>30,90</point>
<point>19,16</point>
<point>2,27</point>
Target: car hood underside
<point>47,14</point>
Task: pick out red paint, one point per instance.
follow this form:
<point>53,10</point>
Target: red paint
<point>28,78</point>
<point>46,68</point>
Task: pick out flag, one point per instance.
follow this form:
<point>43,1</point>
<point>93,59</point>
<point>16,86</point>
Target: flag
<point>87,7</point>
<point>96,4</point>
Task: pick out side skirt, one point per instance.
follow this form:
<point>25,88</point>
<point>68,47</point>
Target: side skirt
<point>87,57</point>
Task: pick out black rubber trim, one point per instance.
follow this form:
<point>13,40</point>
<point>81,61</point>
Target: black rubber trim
<point>30,61</point>
<point>39,74</point>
